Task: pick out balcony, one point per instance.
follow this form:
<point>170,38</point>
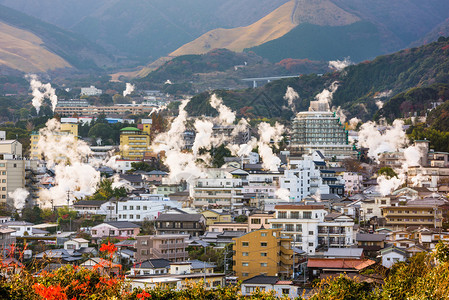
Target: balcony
<point>173,246</point>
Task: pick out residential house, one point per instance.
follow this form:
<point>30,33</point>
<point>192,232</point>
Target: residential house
<point>258,220</point>
<point>264,251</point>
<point>117,229</point>
<point>181,223</point>
<point>102,265</point>
<point>392,255</point>
<point>22,228</point>
<point>371,242</point>
<point>319,266</point>
<point>90,207</point>
<point>6,239</point>
<point>215,216</point>
<point>151,267</point>
<point>76,244</point>
<point>268,284</point>
<point>221,227</point>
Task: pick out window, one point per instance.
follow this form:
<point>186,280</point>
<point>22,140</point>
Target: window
<point>245,253</point>
<point>144,208</point>
<point>263,264</point>
<point>289,227</point>
<point>131,207</point>
<point>138,207</point>
<point>263,234</point>
<point>3,180</point>
<point>263,244</point>
<point>310,244</point>
<point>245,264</point>
<point>282,214</point>
<point>124,207</point>
<point>255,221</point>
<point>285,291</point>
<point>245,275</point>
<point>310,232</point>
<point>263,253</point>
<point>245,244</point>
<point>294,215</point>
<point>299,227</point>
<point>369,211</point>
<point>307,215</point>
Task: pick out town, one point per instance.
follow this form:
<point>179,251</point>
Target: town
<point>337,197</point>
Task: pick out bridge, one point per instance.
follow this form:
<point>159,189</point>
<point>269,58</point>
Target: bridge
<point>267,79</point>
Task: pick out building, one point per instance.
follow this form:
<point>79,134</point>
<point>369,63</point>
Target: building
<point>12,177</point>
<point>171,247</point>
<point>221,192</point>
<point>76,244</point>
<point>392,255</point>
<point>303,179</point>
<point>258,220</point>
<point>310,226</point>
<point>320,129</point>
<point>214,216</point>
<point>6,239</point>
<point>281,288</point>
<point>425,212</point>
<point>113,110</point>
<point>115,229</point>
<point>65,129</point>
<point>91,91</point>
<point>21,228</point>
<point>181,223</point>
<point>135,143</point>
<point>151,267</point>
<point>263,252</point>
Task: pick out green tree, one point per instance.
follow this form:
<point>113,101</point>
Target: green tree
<point>100,130</point>
<point>388,172</point>
<point>105,191</point>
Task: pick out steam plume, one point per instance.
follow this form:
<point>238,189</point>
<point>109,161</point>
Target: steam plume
<point>291,95</point>
<point>339,65</point>
<point>19,196</point>
<point>41,91</point>
<point>129,89</point>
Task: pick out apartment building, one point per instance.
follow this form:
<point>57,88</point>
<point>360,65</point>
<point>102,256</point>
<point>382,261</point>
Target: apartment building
<point>263,252</point>
<point>171,247</point>
<point>425,212</point>
<point>65,129</point>
<point>217,193</point>
<point>309,227</point>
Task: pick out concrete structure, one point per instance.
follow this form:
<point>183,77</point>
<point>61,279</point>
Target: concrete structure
<point>181,223</point>
<point>114,110</point>
<point>65,129</point>
<point>281,288</point>
<point>214,216</point>
<point>21,228</point>
<point>12,177</point>
<point>392,255</point>
<point>217,193</point>
<point>171,247</point>
<point>76,244</point>
<point>263,252</point>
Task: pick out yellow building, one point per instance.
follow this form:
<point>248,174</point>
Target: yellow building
<point>213,217</point>
<point>66,128</point>
<point>265,252</point>
<point>135,143</point>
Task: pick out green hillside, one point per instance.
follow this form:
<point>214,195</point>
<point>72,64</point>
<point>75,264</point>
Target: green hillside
<point>359,41</point>
<point>76,50</point>
<point>360,86</point>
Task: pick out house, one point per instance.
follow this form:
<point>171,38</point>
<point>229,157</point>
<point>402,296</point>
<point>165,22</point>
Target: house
<point>392,255</point>
<point>119,229</point>
<point>155,176</point>
<point>167,246</point>
<point>59,255</point>
<point>215,216</point>
<point>220,239</point>
<point>370,242</point>
<point>151,267</point>
<point>136,181</point>
<point>229,226</point>
<point>270,283</point>
<point>102,265</point>
<point>76,244</point>
<point>318,266</point>
<point>89,207</point>
<point>182,223</point>
<point>21,228</point>
<point>352,253</point>
<point>6,239</point>
<point>258,220</point>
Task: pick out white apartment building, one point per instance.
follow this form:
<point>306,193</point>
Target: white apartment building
<point>138,209</point>
<point>217,193</point>
<point>303,179</point>
<point>91,91</point>
<point>309,227</point>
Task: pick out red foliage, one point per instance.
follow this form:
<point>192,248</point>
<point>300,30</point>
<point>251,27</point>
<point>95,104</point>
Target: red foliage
<point>109,248</point>
<point>51,292</point>
<point>143,295</point>
<point>445,47</point>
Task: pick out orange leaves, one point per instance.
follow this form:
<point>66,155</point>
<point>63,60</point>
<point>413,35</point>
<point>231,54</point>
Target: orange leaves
<point>143,295</point>
<point>51,292</point>
<point>109,248</point>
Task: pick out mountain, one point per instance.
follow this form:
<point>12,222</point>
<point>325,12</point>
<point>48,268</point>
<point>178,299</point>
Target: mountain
<point>30,45</point>
<point>24,51</point>
<point>145,30</point>
<point>362,87</point>
<point>275,25</point>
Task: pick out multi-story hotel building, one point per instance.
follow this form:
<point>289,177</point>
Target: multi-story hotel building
<point>135,143</point>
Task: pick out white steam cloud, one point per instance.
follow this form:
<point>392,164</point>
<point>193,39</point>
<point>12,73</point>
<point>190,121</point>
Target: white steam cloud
<point>41,91</point>
<point>267,134</point>
<point>19,197</point>
<point>283,194</point>
<point>291,95</point>
<point>324,99</point>
<point>339,65</point>
<point>68,156</point>
<point>129,89</point>
<point>390,139</point>
<point>379,104</point>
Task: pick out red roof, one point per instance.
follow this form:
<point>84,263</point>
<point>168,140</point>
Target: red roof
<point>339,263</point>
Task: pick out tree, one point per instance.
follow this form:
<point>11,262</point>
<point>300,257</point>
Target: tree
<point>100,130</point>
<point>105,191</point>
<point>388,172</point>
<point>32,214</point>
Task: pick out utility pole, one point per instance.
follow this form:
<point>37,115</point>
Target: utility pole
<point>68,210</point>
